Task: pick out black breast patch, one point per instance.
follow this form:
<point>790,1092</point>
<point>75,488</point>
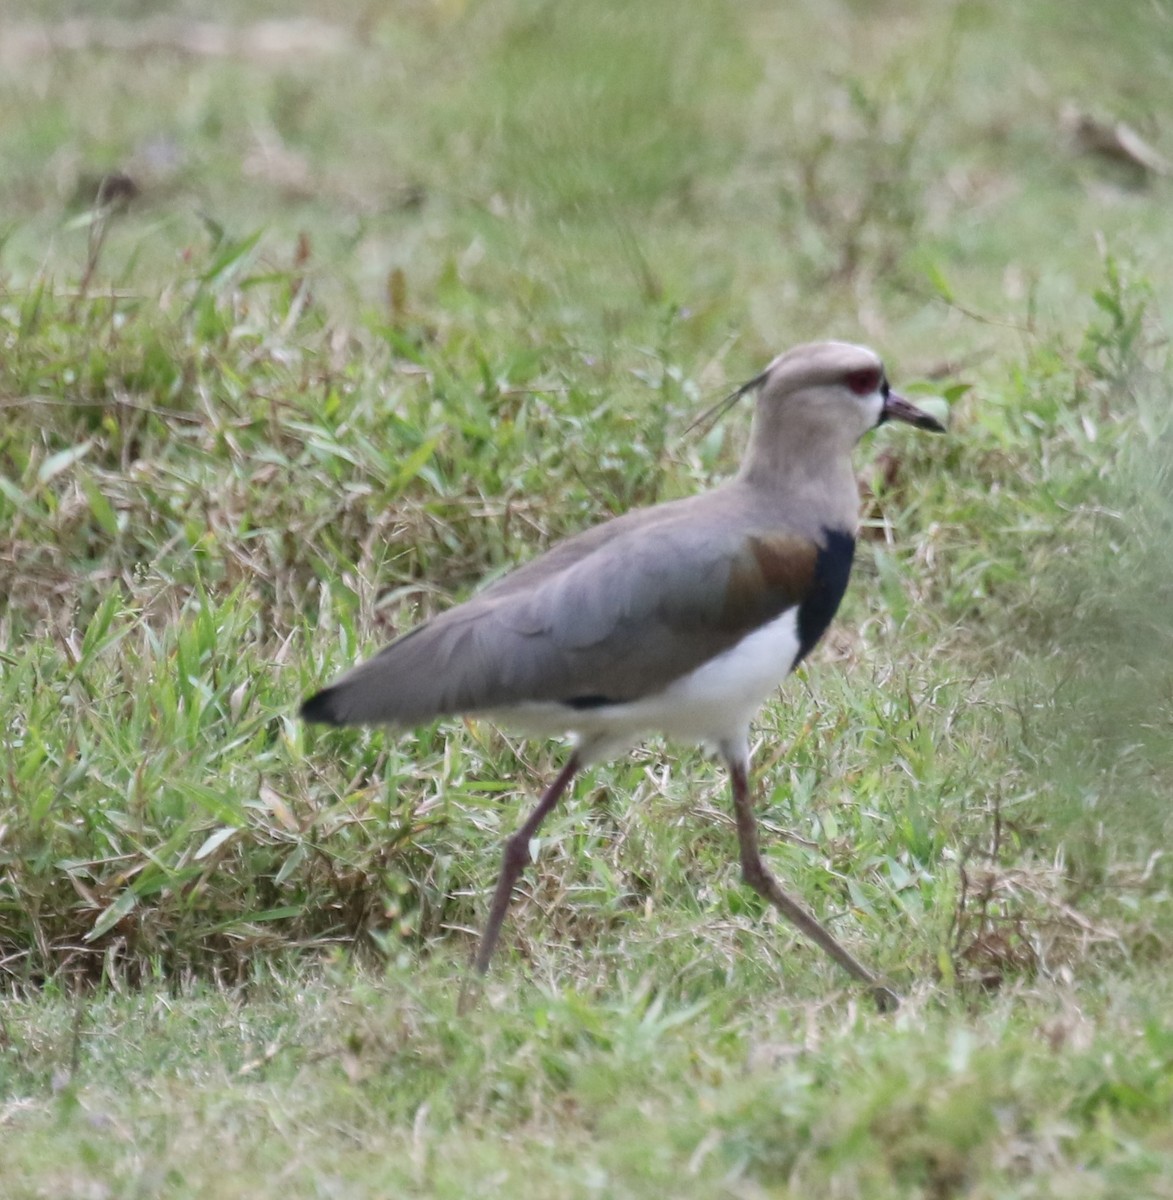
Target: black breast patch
<point>832,571</point>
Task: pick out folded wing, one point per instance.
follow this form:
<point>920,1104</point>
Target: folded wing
<point>598,620</point>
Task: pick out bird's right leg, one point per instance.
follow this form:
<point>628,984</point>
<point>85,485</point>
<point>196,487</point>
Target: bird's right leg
<point>514,861</point>
<point>755,872</point>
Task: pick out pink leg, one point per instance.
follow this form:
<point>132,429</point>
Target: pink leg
<point>755,872</point>
<point>514,862</point>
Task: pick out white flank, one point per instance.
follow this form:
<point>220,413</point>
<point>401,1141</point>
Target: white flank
<point>713,704</point>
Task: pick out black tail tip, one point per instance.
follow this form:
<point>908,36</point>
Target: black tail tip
<point>322,708</point>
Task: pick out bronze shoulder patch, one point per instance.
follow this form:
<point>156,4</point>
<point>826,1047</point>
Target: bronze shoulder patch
<point>771,573</point>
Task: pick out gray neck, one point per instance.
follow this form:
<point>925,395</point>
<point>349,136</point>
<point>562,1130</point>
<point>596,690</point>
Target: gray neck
<point>811,476</point>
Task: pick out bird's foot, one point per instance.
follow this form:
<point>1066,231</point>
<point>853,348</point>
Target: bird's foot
<point>470,993</point>
<point>887,1001</point>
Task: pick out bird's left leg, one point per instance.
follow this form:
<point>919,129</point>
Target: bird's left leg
<point>755,872</point>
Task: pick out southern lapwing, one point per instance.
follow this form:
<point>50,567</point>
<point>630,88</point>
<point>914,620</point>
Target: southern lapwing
<point>679,619</point>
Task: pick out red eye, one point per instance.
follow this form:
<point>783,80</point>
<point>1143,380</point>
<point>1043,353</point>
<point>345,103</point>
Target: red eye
<point>865,382</point>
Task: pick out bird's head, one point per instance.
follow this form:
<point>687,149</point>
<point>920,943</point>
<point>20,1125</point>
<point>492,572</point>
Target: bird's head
<point>832,393</point>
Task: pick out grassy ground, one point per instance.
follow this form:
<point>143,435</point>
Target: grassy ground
<point>392,301</point>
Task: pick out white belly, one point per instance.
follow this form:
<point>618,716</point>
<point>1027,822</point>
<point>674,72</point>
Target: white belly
<point>713,704</point>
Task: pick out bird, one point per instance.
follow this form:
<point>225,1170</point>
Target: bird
<point>679,619</point>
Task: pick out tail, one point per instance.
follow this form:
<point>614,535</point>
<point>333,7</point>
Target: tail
<point>323,708</point>
<point>417,678</point>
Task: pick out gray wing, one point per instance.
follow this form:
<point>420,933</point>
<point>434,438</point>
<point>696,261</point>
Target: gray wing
<point>611,615</point>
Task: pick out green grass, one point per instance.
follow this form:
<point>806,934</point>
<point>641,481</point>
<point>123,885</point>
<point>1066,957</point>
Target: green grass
<point>358,1087</point>
<point>390,316</point>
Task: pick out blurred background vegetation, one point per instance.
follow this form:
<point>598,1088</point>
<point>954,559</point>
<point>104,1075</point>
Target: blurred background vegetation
<point>314,316</point>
